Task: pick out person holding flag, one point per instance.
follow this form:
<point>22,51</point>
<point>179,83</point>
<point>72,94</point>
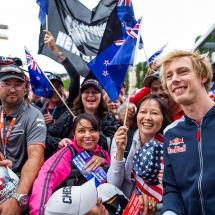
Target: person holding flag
<point>51,87</point>
<point>145,155</point>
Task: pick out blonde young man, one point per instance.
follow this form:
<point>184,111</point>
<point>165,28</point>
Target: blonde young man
<point>189,148</point>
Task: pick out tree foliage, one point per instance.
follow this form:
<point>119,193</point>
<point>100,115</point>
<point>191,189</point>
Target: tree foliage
<point>209,51</point>
<point>141,71</point>
<point>127,82</point>
<point>66,84</point>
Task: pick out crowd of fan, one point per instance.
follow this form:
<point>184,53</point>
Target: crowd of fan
<point>39,135</point>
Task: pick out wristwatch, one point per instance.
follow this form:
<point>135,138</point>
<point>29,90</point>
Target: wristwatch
<point>59,54</point>
<point>21,198</point>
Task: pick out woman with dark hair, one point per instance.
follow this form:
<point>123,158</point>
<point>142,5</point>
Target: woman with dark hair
<point>90,101</point>
<point>145,155</point>
<point>163,108</point>
<point>58,167</point>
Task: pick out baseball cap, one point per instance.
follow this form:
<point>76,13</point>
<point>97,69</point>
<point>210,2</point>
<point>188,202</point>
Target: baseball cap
<point>5,61</point>
<point>89,82</point>
<point>11,71</point>
<point>56,78</point>
<point>73,200</point>
<point>113,199</point>
<point>148,80</point>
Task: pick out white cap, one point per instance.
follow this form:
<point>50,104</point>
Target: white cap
<point>73,200</point>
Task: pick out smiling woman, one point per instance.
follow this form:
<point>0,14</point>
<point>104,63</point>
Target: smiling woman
<point>86,132</point>
<point>151,117</point>
<point>89,101</point>
<point>58,167</point>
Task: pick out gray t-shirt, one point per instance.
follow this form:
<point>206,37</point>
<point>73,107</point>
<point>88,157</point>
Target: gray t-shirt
<point>29,129</point>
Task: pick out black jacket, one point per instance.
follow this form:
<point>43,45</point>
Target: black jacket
<point>59,112</point>
<point>63,129</point>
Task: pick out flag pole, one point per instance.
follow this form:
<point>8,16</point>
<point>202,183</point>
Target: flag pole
<point>145,55</point>
<point>46,22</point>
<point>133,71</point>
<point>59,96</point>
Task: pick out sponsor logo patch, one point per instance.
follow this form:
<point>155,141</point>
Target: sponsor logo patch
<point>177,145</point>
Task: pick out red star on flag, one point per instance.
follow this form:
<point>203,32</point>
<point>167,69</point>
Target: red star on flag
<point>124,23</point>
<point>119,67</point>
<point>106,62</point>
<point>38,78</point>
<point>105,73</point>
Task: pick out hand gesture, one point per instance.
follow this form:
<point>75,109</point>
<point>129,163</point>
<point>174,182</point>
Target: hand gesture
<point>10,207</point>
<point>64,142</point>
<point>48,118</point>
<point>7,163</point>
<point>94,163</point>
<point>160,176</point>
<point>121,142</point>
<point>50,41</point>
<point>147,204</point>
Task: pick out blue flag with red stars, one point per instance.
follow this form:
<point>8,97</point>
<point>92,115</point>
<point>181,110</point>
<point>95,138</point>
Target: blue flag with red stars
<point>39,82</point>
<point>111,65</point>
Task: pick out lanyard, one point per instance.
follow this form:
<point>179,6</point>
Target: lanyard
<point>4,140</point>
<point>53,112</point>
<point>47,110</point>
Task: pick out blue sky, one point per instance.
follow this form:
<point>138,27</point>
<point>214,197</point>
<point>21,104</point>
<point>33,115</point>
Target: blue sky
<point>177,22</point>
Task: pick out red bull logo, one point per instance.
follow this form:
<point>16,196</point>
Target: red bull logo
<point>176,141</point>
<point>176,149</point>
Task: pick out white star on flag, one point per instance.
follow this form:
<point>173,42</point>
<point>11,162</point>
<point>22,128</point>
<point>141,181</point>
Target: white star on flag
<point>119,67</point>
<point>106,62</point>
<point>105,73</point>
<point>124,23</point>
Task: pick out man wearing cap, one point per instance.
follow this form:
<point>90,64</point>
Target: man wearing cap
<point>54,108</point>
<point>23,134</point>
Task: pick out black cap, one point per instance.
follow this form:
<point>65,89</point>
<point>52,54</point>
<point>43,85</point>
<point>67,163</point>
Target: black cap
<point>148,79</point>
<point>89,82</point>
<point>12,71</point>
<point>56,78</point>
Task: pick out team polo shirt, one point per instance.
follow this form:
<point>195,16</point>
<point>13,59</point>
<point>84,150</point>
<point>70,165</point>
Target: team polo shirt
<point>29,129</point>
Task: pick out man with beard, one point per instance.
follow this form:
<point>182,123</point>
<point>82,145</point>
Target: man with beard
<point>23,134</point>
